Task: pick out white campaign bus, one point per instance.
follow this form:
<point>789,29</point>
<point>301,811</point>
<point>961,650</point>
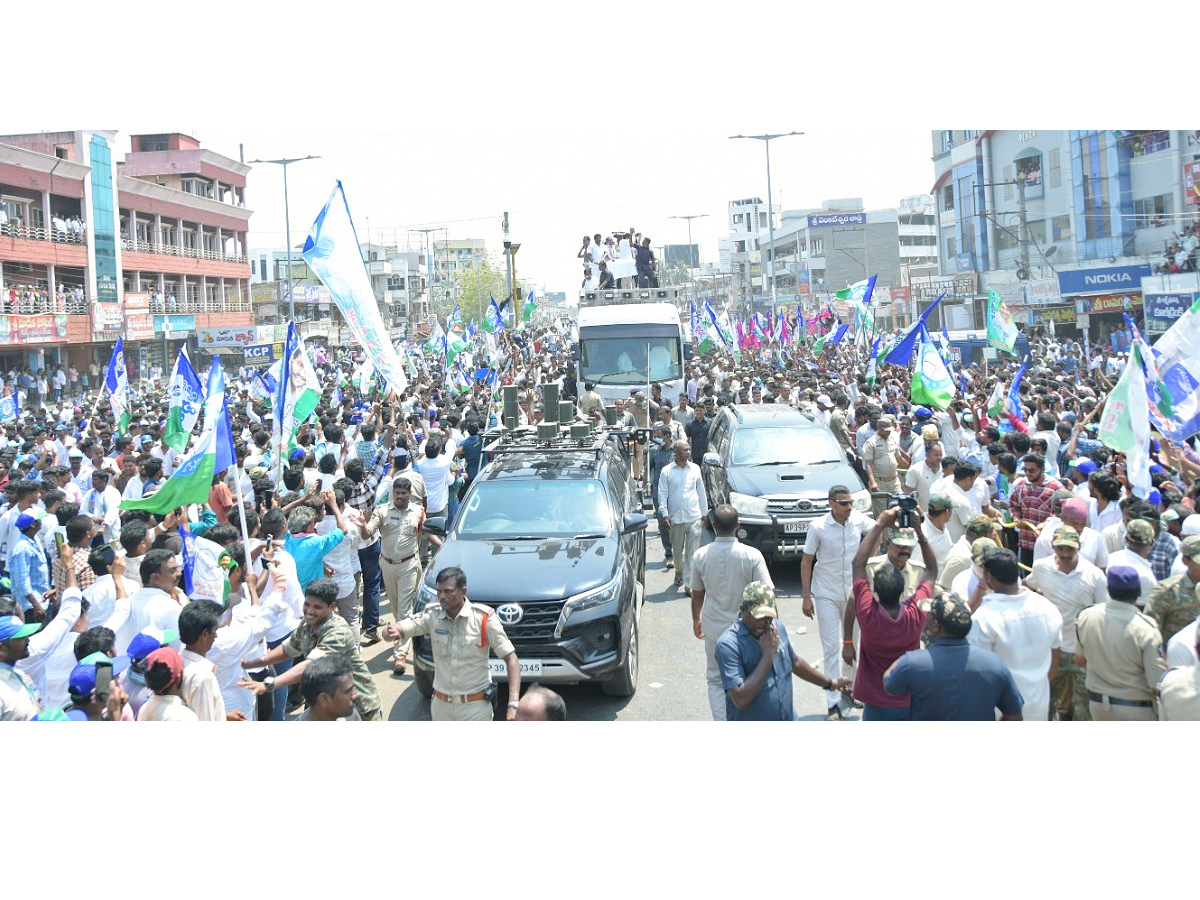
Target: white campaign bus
<point>630,339</point>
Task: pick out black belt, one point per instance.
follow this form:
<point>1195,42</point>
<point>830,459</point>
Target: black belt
<point>1117,701</point>
<point>398,561</point>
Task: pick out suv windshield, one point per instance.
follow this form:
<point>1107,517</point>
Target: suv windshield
<point>552,509</point>
<point>790,446</point>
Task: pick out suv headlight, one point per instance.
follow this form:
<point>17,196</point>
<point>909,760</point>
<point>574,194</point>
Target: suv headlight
<point>862,501</point>
<point>747,505</point>
<point>596,597</point>
<point>426,596</point>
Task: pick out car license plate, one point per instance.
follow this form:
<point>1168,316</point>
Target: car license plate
<point>528,668</point>
<point>795,527</point>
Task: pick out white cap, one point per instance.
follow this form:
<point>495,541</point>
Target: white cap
<point>1191,525</point>
<point>824,400</point>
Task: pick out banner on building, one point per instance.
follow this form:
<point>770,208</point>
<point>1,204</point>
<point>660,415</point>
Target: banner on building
<point>174,323</point>
<point>262,354</point>
<point>1161,310</point>
<point>107,318</point>
<point>136,301</point>
<point>226,337</point>
<point>139,326</point>
<point>1108,303</point>
<point>1191,183</point>
<point>33,329</point>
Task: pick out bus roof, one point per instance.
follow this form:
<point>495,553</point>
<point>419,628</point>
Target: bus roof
<point>629,314</point>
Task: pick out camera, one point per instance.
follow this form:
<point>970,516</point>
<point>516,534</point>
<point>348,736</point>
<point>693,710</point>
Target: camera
<point>908,510</point>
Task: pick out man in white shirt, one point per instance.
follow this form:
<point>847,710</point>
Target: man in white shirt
<point>1073,512</point>
<point>435,468</point>
<point>959,489</point>
<point>159,601</point>
<point>1139,538</point>
<point>921,475</point>
<point>933,526</point>
<point>1072,584</point>
<point>720,572</point>
<point>169,456</point>
<point>832,542</point>
<point>102,504</point>
<point>200,690</point>
<point>1023,628</point>
<point>684,503</point>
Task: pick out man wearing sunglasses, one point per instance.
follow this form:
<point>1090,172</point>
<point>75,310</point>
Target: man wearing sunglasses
<point>825,584</point>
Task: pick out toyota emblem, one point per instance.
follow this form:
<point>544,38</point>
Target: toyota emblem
<point>510,613</point>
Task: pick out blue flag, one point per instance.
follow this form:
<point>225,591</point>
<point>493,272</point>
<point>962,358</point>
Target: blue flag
<point>10,408</point>
<point>492,320</point>
<point>189,560</point>
<point>1013,405</point>
<point>901,354</point>
<point>839,334</point>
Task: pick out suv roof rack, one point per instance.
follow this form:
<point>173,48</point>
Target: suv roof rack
<point>535,439</point>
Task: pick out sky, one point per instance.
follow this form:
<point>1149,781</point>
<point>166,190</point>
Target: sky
<point>570,121</point>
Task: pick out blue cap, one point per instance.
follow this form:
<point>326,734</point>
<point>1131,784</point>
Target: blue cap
<point>1155,467</point>
<point>922,412</point>
<point>24,520</point>
<point>83,677</point>
<point>12,628</point>
<point>1154,497</point>
<point>297,454</point>
<point>1123,578</point>
<point>1085,466</point>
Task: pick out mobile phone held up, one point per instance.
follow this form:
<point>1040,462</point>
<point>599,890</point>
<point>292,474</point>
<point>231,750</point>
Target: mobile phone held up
<point>104,670</point>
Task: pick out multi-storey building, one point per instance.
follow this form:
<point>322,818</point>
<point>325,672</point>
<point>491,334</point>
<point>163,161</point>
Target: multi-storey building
<point>1063,225</point>
<point>93,248</point>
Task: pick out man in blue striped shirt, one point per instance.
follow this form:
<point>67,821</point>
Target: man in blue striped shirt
<point>27,566</point>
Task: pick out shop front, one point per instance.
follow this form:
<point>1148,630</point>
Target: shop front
<point>1102,297</point>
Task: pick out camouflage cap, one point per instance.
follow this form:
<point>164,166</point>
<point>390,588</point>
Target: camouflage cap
<point>951,613</point>
<point>930,434</point>
<point>1139,532</point>
<point>940,503</point>
<point>902,537</point>
<point>980,526</point>
<point>758,599</point>
<point>1065,536</point>
<point>980,547</point>
<point>1189,548</point>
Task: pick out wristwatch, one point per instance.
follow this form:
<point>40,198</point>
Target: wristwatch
<point>269,681</point>
<point>512,704</point>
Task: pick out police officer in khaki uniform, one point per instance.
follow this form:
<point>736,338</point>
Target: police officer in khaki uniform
<point>399,526</point>
<point>883,459</point>
<point>462,633</point>
<point>1122,650</point>
<point>1172,603</point>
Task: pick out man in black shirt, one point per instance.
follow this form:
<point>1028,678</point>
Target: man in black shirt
<point>606,278</point>
<point>645,264</point>
<point>697,431</point>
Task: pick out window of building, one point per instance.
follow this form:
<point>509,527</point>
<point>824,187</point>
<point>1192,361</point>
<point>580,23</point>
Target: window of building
<point>1029,170</point>
<point>762,220</point>
<point>1060,226</point>
<point>1006,238</point>
<point>948,197</point>
<point>818,246</point>
<point>1153,212</point>
<point>737,219</point>
<point>395,283</point>
<point>951,248</point>
<point>1037,231</point>
<point>1097,221</point>
<point>1054,168</point>
<point>1141,143</point>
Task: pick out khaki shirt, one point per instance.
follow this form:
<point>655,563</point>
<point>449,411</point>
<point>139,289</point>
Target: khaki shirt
<point>460,662</point>
<point>1179,695</point>
<point>722,570</point>
<point>913,572</point>
<point>416,496</point>
<point>1123,649</point>
<point>837,421</point>
<point>399,529</point>
<point>589,401</point>
<point>880,454</point>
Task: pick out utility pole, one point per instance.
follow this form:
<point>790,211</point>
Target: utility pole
<point>428,265</point>
<point>1024,239</point>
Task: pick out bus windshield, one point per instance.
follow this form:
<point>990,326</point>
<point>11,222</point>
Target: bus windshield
<point>622,360</point>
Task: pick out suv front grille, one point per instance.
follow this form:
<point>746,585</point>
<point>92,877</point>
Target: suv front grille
<point>790,506</point>
<point>538,623</point>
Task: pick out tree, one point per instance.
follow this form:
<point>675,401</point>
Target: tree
<point>472,290</point>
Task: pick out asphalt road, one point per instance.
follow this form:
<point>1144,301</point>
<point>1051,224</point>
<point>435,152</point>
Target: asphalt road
<point>671,685</point>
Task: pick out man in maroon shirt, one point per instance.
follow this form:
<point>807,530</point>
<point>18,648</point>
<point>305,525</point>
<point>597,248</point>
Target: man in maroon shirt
<point>888,628</point>
<point>1030,501</point>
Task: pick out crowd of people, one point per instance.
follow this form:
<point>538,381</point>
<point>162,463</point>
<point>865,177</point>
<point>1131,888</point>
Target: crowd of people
<point>23,298</point>
<point>1032,584</point>
<point>68,229</point>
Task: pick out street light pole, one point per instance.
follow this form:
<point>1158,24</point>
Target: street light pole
<point>766,139</point>
<point>689,226</point>
<point>287,224</point>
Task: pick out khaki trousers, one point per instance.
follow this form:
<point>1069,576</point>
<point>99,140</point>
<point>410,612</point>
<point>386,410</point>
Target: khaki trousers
<point>478,711</point>
<point>401,581</point>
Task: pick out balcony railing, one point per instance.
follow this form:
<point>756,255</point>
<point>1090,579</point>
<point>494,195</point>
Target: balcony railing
<point>54,235</point>
<point>28,304</point>
<point>139,246</point>
<point>162,306</point>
